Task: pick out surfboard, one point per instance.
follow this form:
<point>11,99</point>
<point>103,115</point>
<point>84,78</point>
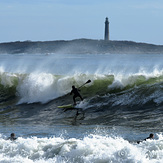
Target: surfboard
<point>66,106</point>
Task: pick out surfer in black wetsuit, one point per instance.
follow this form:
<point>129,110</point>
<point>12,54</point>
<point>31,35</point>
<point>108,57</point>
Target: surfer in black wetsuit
<point>151,136</point>
<point>76,93</point>
<point>12,137</point>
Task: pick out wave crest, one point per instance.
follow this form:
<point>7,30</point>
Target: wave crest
<point>42,87</point>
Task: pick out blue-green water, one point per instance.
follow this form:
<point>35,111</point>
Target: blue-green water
<point>122,104</point>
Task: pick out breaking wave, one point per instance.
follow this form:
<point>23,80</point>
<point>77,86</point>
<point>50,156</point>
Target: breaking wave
<point>43,87</point>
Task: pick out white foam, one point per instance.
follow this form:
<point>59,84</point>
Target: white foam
<point>39,87</point>
<point>82,104</point>
<point>92,148</point>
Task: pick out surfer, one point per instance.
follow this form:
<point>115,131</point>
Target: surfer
<point>12,137</point>
<point>76,93</point>
<point>151,136</point>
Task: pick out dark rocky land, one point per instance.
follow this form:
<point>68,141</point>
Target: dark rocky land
<point>80,46</point>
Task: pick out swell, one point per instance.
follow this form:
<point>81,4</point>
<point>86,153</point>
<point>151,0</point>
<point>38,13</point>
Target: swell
<point>43,87</point>
<point>125,106</point>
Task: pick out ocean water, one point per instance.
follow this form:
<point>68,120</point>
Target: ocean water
<point>122,104</point>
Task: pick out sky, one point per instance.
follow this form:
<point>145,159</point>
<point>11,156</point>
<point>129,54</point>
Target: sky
<point>48,20</point>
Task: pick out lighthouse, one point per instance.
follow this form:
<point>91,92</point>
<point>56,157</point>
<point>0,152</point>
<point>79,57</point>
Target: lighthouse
<point>106,36</point>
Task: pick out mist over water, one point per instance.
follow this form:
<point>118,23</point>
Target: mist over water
<point>59,64</point>
<point>122,104</point>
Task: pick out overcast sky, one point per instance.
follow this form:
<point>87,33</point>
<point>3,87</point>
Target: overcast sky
<point>46,20</point>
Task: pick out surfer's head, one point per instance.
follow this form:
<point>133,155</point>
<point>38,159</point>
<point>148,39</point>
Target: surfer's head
<point>12,135</point>
<point>73,87</point>
<point>151,136</point>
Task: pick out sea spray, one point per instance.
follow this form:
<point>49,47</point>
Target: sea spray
<point>43,87</point>
<point>36,88</point>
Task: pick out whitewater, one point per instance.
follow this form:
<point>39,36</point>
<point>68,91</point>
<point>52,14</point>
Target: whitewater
<point>122,104</point>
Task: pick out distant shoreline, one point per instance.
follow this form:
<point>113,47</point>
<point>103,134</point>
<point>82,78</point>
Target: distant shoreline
<point>80,46</point>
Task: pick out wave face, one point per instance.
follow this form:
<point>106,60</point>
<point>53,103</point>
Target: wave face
<point>43,87</point>
<point>123,84</point>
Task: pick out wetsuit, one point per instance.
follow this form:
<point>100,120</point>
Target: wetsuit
<point>76,94</point>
